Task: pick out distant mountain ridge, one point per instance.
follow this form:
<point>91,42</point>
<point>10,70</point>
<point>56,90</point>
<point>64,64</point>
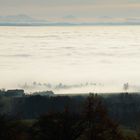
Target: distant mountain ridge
<point>68,20</point>
<point>19,20</point>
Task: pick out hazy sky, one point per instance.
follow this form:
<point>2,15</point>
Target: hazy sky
<point>79,8</point>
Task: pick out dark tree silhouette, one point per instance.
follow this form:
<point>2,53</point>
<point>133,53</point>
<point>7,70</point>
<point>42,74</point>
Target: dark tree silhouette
<point>98,125</point>
<point>58,126</point>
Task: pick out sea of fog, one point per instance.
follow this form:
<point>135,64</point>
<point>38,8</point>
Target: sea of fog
<point>74,59</point>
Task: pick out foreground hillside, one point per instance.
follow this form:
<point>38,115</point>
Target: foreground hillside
<point>79,117</point>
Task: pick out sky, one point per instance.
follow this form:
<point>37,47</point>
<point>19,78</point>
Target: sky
<point>43,9</point>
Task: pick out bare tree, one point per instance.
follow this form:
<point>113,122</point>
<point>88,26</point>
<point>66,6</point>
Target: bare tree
<point>126,87</point>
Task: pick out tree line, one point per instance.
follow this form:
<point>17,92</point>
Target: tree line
<point>91,122</point>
